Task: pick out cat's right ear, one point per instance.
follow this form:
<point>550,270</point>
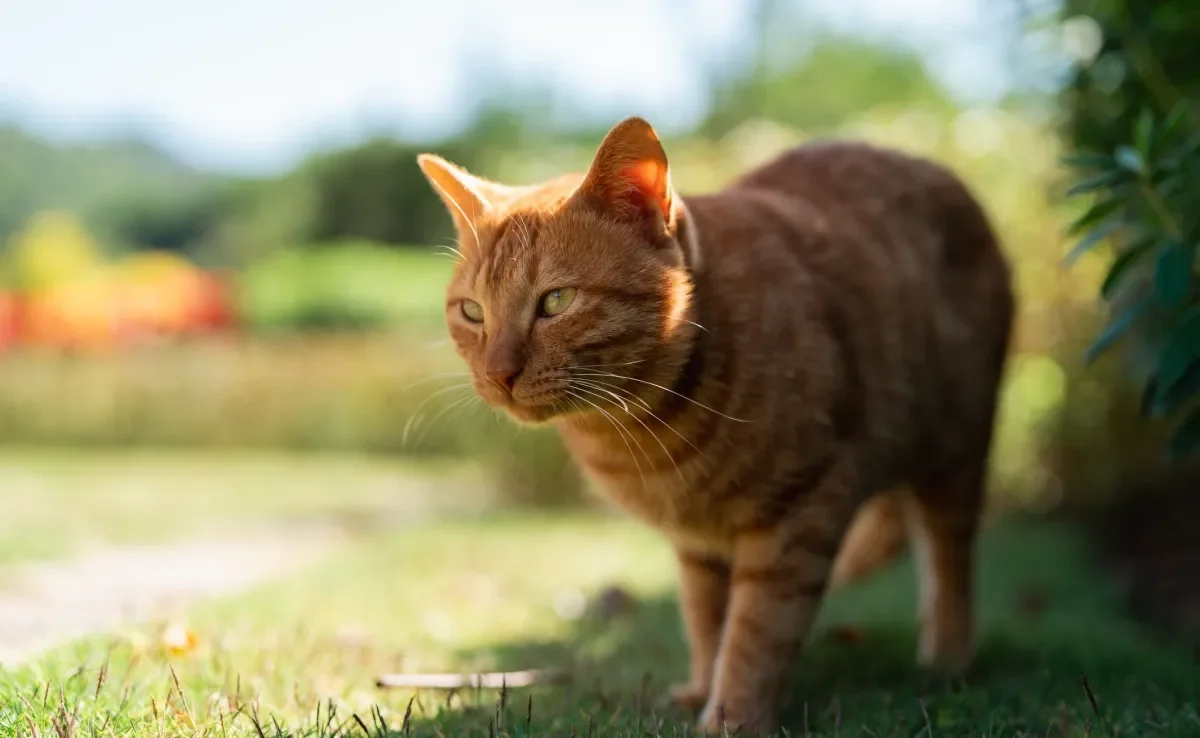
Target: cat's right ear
<point>630,180</point>
<point>467,197</point>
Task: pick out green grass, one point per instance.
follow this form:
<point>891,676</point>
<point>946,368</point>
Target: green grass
<point>55,502</point>
<point>299,657</point>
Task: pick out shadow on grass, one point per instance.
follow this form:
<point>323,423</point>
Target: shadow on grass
<point>1047,625</point>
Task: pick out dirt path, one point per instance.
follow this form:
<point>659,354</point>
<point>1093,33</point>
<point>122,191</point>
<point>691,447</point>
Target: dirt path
<point>45,604</point>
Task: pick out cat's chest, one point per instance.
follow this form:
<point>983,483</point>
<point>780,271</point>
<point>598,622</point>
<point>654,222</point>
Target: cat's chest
<point>655,489</point>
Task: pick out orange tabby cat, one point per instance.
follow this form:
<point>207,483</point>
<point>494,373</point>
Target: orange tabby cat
<point>744,370</point>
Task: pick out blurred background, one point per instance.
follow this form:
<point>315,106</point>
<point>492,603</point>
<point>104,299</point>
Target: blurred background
<point>215,242</point>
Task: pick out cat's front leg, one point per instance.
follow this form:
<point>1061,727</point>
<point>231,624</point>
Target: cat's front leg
<point>778,578</point>
<point>703,597</point>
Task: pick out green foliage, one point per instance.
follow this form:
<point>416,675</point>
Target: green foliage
<point>179,222</point>
<point>376,192</point>
<point>1137,136</point>
<point>356,285</point>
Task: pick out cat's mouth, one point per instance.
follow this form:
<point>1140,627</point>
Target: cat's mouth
<point>525,410</point>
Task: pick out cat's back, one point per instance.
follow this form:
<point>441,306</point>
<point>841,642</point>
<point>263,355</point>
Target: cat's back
<point>882,262</point>
<point>866,222</point>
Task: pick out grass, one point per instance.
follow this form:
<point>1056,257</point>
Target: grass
<point>55,502</point>
<point>299,657</point>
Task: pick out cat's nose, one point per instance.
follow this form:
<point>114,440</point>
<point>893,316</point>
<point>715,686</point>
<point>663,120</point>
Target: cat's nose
<point>503,378</point>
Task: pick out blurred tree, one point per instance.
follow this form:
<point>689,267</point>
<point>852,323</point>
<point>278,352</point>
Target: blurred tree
<point>168,221</point>
<point>814,81</point>
<point>376,192</point>
<point>85,179</point>
<point>1131,116</point>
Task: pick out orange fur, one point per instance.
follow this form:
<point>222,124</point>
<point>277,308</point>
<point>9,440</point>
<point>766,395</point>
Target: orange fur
<point>746,370</point>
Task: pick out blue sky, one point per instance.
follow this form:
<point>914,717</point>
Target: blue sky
<point>253,84</point>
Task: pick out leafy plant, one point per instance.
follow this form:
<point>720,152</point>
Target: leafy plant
<point>1146,202</point>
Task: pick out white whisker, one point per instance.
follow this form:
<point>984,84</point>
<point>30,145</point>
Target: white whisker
<point>666,389</point>
<point>606,387</point>
<point>653,435</point>
<point>415,415</point>
<point>433,378</point>
<point>621,431</point>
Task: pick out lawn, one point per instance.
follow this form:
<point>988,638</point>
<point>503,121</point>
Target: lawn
<point>299,657</point>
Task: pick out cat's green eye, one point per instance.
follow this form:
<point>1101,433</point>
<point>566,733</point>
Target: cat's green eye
<point>472,311</point>
<point>556,301</point>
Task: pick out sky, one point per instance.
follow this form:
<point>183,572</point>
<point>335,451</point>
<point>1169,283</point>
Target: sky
<point>253,85</point>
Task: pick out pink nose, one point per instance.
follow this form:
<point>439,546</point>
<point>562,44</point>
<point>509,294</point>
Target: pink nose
<point>503,378</point>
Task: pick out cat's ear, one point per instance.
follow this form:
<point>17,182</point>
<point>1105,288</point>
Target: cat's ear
<point>467,197</point>
<point>629,178</point>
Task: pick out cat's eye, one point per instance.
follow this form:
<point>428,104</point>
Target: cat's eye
<point>472,311</point>
<point>556,301</point>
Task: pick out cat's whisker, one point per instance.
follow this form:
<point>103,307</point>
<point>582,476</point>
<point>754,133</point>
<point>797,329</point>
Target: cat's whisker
<point>609,388</point>
<point>582,385</point>
<point>667,389</point>
<point>603,366</point>
<point>663,446</point>
<point>434,378</point>
<point>451,250</point>
<point>646,407</point>
<point>458,404</point>
<point>621,431</point>
<point>414,417</point>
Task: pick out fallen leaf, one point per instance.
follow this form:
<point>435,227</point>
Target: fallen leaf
<point>1032,601</point>
<point>178,639</point>
<point>847,634</point>
<point>612,602</point>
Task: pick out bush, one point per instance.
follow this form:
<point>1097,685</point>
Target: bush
<point>1133,126</point>
<point>355,285</point>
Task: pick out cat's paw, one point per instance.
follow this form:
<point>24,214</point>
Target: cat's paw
<point>687,697</point>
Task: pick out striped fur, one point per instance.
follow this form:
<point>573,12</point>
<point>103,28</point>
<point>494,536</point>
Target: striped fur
<point>747,370</point>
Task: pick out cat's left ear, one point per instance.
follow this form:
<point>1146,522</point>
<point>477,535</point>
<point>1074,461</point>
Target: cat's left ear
<point>467,197</point>
<point>629,178</point>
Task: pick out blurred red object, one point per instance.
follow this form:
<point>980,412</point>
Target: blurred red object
<point>10,319</point>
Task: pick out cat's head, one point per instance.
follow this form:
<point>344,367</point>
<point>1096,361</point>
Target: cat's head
<point>561,282</point>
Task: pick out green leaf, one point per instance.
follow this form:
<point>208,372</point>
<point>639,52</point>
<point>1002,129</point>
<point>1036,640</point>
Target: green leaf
<point>1116,328</point>
<point>1094,215</point>
<point>1089,241</point>
<point>1146,406</point>
<point>1087,161</point>
<point>1125,260</point>
<point>1174,124</point>
<point>1173,273</point>
<point>1129,158</point>
<point>1181,348</point>
<point>1164,401</point>
<point>1098,182</point>
<point>1143,132</point>
<point>1185,440</point>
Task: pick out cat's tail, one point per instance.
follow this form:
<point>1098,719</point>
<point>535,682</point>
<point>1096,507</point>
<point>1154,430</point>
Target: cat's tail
<point>876,537</point>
